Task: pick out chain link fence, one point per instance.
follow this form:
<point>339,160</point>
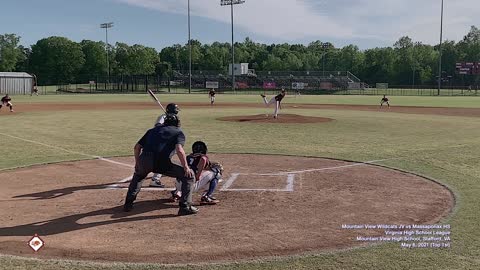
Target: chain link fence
<point>303,82</point>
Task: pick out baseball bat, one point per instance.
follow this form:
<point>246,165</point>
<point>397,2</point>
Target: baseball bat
<point>154,97</point>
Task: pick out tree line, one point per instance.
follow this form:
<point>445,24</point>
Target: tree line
<point>58,59</point>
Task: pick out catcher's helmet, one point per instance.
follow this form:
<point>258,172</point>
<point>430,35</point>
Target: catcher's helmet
<point>172,108</point>
<point>171,120</point>
<point>199,147</point>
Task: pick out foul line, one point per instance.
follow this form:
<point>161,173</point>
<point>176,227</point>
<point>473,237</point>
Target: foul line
<point>320,169</point>
<point>68,151</point>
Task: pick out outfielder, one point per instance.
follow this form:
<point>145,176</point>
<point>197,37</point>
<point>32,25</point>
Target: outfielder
<point>172,108</point>
<point>152,154</point>
<point>384,100</point>
<point>7,101</point>
<point>207,174</point>
<point>276,99</point>
<point>212,96</point>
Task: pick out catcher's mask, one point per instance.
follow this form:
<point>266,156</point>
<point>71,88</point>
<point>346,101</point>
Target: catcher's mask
<point>199,147</point>
<point>171,120</point>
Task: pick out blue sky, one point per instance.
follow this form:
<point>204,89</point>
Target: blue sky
<point>161,23</point>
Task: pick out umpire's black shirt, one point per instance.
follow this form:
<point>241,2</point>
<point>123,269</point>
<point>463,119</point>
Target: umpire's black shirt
<point>161,141</point>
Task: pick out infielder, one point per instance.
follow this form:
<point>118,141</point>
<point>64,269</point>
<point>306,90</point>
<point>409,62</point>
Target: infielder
<point>152,154</point>
<point>297,93</point>
<point>276,99</point>
<point>384,100</point>
<point>207,174</point>
<point>34,91</point>
<point>7,101</point>
<point>211,94</point>
<point>173,109</point>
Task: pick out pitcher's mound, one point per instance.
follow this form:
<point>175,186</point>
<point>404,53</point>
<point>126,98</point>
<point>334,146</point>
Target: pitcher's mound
<point>282,118</point>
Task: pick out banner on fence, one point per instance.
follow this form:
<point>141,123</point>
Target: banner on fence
<point>269,85</point>
<point>326,85</point>
<point>354,85</point>
<point>299,85</point>
<point>211,85</point>
<point>382,86</point>
<point>241,85</point>
<point>175,83</point>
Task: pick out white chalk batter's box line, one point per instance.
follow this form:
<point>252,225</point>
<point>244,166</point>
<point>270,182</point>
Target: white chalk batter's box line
<point>225,187</point>
<point>234,176</point>
<point>290,178</point>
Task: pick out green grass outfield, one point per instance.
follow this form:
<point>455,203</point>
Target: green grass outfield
<point>442,147</point>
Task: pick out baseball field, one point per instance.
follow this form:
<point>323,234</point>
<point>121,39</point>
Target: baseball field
<point>297,191</point>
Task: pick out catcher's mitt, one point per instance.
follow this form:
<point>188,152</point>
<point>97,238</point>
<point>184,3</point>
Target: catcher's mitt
<point>216,167</point>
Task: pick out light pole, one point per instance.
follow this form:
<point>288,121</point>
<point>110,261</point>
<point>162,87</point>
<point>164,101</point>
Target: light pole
<point>231,3</point>
<point>414,65</point>
<point>324,47</point>
<point>190,53</point>
<point>440,53</point>
<point>106,26</point>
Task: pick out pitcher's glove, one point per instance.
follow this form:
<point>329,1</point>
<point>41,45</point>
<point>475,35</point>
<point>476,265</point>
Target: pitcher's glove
<point>216,167</point>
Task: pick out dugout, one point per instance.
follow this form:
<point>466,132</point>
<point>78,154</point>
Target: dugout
<point>16,83</point>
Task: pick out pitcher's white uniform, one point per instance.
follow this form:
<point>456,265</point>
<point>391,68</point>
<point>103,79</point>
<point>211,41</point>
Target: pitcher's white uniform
<point>276,99</point>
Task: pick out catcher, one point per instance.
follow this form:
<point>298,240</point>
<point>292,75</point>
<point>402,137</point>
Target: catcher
<point>7,101</point>
<point>207,174</point>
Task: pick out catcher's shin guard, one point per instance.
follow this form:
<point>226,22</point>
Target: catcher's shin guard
<point>213,185</point>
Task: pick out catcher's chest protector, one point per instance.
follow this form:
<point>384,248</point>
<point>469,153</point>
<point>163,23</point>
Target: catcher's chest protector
<point>194,159</point>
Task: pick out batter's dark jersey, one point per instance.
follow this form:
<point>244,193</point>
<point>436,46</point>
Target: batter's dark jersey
<point>6,99</point>
<point>161,141</point>
<point>194,159</point>
<point>279,97</point>
<point>212,93</point>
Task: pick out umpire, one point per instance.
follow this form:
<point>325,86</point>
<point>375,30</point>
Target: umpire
<point>152,154</point>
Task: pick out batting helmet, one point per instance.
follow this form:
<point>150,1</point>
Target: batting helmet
<point>199,147</point>
<point>173,108</point>
<point>171,120</point>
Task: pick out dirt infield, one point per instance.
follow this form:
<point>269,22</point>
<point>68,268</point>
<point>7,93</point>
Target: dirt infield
<point>270,206</point>
<point>282,119</point>
<point>19,108</point>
